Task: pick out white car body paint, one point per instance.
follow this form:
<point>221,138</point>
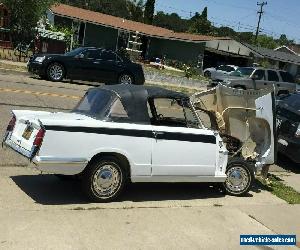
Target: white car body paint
<point>150,159</point>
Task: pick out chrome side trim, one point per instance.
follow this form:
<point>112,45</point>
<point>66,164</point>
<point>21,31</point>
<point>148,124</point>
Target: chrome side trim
<point>57,160</point>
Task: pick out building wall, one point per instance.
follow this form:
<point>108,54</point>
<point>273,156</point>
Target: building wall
<point>176,50</point>
<point>100,36</point>
<point>95,35</point>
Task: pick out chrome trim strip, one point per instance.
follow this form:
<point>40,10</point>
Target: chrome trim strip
<point>56,160</point>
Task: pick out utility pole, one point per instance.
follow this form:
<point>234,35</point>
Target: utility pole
<point>259,18</point>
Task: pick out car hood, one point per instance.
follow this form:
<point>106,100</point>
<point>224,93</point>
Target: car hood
<point>248,115</point>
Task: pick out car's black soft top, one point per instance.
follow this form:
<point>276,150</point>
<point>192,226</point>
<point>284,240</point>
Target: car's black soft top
<point>135,97</point>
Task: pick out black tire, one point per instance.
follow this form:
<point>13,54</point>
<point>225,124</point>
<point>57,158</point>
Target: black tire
<point>240,177</point>
<point>126,78</point>
<point>55,72</point>
<point>207,74</point>
<point>107,167</point>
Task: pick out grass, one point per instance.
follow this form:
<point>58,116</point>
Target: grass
<point>277,187</point>
<point>12,67</point>
<point>173,73</point>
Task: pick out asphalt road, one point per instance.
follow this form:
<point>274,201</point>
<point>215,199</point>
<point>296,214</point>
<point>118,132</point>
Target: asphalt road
<point>42,212</point>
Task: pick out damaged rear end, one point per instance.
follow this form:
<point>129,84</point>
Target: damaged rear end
<point>245,120</point>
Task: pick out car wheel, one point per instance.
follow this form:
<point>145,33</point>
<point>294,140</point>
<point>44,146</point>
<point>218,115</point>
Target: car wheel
<point>55,72</point>
<point>125,79</point>
<point>104,180</point>
<point>240,177</point>
<point>207,74</point>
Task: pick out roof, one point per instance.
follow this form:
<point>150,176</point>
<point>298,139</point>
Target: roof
<point>134,99</point>
<point>124,24</point>
<point>150,92</point>
<point>281,48</point>
<point>275,55</point>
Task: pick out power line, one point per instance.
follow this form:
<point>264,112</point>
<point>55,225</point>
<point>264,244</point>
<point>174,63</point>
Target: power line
<point>259,18</point>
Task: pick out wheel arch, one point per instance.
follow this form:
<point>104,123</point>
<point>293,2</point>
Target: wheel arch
<point>124,161</point>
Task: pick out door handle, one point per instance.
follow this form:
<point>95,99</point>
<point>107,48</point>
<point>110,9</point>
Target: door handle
<point>157,133</point>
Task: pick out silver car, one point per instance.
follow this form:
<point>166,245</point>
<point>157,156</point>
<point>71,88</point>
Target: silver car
<point>259,78</point>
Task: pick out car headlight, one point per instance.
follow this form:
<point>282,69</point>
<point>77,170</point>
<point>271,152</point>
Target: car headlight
<point>39,59</point>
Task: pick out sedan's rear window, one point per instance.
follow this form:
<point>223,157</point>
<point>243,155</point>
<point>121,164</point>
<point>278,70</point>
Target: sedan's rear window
<point>95,103</point>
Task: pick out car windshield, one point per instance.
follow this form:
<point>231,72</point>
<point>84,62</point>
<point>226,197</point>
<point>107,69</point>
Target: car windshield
<point>74,52</point>
<point>95,103</point>
<point>242,72</point>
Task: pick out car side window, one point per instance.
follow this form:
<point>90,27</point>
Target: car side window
<point>286,77</point>
<point>259,74</point>
<point>172,113</point>
<point>222,67</point>
<point>108,56</point>
<point>91,54</point>
<point>272,76</point>
<point>118,112</point>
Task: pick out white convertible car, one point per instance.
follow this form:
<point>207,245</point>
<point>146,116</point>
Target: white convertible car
<point>132,133</point>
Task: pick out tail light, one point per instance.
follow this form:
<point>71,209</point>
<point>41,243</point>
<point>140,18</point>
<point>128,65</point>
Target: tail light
<point>39,138</point>
<point>11,124</point>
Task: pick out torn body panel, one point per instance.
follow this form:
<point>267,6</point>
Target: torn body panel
<point>246,115</point>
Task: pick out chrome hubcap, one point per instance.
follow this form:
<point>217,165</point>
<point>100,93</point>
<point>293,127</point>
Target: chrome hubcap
<point>106,181</point>
<point>125,79</point>
<point>56,72</point>
<point>237,179</point>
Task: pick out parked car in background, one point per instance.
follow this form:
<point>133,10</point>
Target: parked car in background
<point>91,64</point>
<point>259,78</point>
<point>134,133</point>
<point>288,126</point>
<point>221,70</point>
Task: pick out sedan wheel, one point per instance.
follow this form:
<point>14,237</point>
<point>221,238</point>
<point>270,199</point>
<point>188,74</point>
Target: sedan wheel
<point>104,180</point>
<point>55,72</point>
<point>240,177</point>
<point>125,79</point>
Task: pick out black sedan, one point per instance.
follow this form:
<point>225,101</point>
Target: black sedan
<point>288,124</point>
<point>91,64</point>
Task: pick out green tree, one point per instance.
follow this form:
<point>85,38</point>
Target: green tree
<point>24,17</point>
<point>200,24</point>
<point>171,21</point>
<point>266,42</point>
<point>149,11</point>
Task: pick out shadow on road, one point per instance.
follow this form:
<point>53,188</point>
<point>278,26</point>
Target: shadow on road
<point>49,190</point>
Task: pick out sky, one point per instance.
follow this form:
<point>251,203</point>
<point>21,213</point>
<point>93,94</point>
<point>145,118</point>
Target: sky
<point>280,16</point>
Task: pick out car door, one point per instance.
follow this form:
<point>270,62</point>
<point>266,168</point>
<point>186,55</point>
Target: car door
<point>273,80</point>
<point>85,67</point>
<point>109,66</point>
<point>287,82</point>
<point>179,150</point>
<point>259,79</point>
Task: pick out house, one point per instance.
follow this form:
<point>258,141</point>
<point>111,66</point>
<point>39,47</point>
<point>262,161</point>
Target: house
<point>5,36</point>
<point>100,30</point>
<point>277,58</point>
<point>292,49</point>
